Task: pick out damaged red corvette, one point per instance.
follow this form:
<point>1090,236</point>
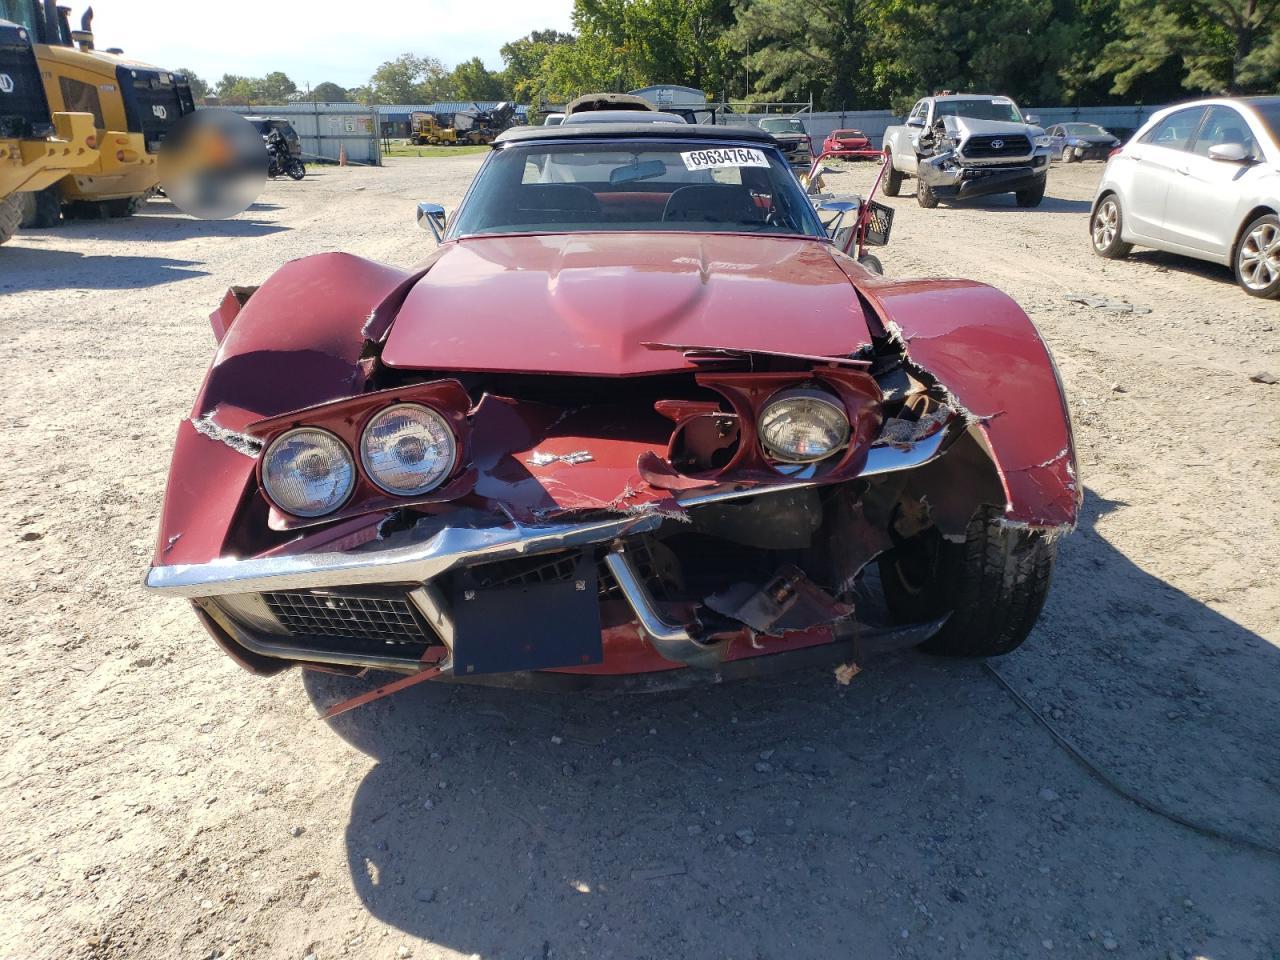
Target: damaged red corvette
<point>636,415</point>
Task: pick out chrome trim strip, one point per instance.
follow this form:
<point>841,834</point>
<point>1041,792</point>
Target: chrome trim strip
<point>672,640</point>
<point>455,546</point>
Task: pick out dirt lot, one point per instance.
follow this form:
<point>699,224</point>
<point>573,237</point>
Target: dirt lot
<point>158,803</point>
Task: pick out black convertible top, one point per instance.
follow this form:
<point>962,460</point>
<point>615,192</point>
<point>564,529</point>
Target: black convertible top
<point>630,131</point>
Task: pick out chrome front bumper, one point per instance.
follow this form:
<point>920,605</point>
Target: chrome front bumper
<point>441,550</point>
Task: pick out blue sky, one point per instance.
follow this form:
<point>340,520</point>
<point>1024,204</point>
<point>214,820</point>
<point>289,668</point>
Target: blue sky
<point>315,40</point>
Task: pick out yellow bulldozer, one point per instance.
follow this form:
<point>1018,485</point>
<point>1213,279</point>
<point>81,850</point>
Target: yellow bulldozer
<point>134,105</point>
<point>425,128</point>
<point>37,147</point>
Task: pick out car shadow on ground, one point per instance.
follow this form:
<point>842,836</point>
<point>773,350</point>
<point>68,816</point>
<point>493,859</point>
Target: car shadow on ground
<point>1050,204</point>
<point>1176,263</point>
<point>916,812</point>
<point>24,268</point>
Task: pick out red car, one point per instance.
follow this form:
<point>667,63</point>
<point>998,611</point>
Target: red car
<point>636,414</point>
<point>846,140</point>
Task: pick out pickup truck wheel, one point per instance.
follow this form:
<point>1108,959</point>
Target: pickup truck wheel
<point>1105,228</point>
<point>42,209</point>
<point>1257,259</point>
<point>10,216</point>
<point>892,178</point>
<point>925,195</point>
<point>993,584</point>
<point>1032,196</point>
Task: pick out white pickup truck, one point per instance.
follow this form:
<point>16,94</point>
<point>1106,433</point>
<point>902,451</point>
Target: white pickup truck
<point>968,145</point>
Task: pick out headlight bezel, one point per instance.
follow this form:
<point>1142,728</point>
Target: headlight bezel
<point>277,501</point>
<point>421,491</point>
<point>811,394</point>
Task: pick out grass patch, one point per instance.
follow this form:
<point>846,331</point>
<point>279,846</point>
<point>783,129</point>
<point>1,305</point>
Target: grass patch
<point>402,149</point>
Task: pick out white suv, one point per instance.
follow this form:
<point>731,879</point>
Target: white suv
<point>1200,179</point>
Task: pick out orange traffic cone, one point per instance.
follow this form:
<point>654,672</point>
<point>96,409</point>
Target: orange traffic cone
<point>342,154</point>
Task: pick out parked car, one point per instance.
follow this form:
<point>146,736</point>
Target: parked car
<point>280,126</point>
<point>553,119</point>
<point>968,145</point>
<point>1200,179</point>
<point>1080,141</point>
<point>792,137</point>
<point>846,140</point>
<point>577,441</point>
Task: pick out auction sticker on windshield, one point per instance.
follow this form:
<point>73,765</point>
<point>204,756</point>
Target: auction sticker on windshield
<point>726,157</point>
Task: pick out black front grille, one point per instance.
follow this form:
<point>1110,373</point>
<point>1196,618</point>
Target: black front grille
<point>24,109</point>
<point>382,619</point>
<point>1015,145</point>
<point>154,102</point>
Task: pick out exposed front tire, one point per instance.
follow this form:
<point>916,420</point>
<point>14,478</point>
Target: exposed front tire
<point>1032,196</point>
<point>892,178</point>
<point>1105,230</point>
<point>872,263</point>
<point>925,195</point>
<point>1257,259</point>
<point>10,216</point>
<point>295,169</point>
<point>41,209</point>
<point>1068,155</point>
<point>993,585</point>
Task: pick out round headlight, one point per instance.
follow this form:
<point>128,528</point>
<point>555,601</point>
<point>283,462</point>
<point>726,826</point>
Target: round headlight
<point>408,450</point>
<point>308,472</point>
<point>803,426</point>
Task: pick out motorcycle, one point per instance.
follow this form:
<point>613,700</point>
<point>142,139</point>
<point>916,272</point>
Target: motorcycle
<point>281,161</point>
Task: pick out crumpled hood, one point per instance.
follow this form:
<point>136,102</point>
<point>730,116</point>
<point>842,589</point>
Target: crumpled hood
<point>967,126</point>
<point>587,303</point>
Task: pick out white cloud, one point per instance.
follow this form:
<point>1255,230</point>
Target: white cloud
<point>318,40</point>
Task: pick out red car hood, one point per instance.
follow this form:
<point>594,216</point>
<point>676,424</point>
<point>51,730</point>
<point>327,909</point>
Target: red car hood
<point>587,303</point>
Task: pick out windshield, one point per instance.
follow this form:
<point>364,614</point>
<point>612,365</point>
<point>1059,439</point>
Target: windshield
<point>700,187</point>
<point>846,133</point>
<point>1084,130</point>
<point>782,125</point>
<point>1001,109</point>
<point>21,12</point>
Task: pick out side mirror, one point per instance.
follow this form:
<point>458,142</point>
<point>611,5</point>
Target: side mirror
<point>843,235</point>
<point>914,122</point>
<point>431,217</point>
<point>1033,119</point>
<point>1229,153</point>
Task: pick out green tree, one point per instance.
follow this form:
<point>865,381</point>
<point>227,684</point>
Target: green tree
<point>524,60</point>
<point>1214,46</point>
<point>472,80</point>
<point>327,92</point>
<point>275,87</point>
<point>408,79</point>
<point>199,89</point>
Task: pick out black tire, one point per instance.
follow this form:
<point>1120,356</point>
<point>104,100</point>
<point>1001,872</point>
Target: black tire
<point>1105,229</point>
<point>42,209</point>
<point>994,585</point>
<point>295,169</point>
<point>872,263</point>
<point>1032,196</point>
<point>892,178</point>
<point>105,209</point>
<point>10,216</point>
<point>1068,155</point>
<point>925,195</point>
<point>1257,257</point>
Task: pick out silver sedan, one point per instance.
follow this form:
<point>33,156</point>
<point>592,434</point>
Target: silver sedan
<point>1200,179</point>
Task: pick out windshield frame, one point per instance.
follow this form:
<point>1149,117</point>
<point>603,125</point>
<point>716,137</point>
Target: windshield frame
<point>940,109</point>
<point>1268,118</point>
<point>807,211</point>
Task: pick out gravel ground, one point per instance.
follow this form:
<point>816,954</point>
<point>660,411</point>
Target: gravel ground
<point>161,804</point>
